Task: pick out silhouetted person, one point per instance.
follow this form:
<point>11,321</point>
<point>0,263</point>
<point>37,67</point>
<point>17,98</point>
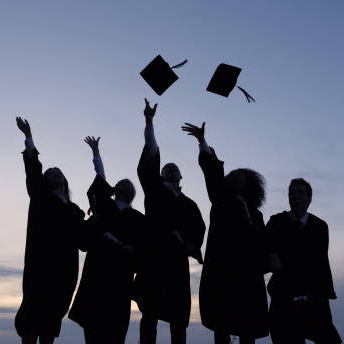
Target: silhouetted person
<point>232,290</point>
<point>51,253</point>
<point>178,231</point>
<point>302,286</point>
<point>102,303</point>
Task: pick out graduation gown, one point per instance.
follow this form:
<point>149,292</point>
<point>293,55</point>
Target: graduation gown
<point>232,290</point>
<point>51,255</point>
<point>165,282</point>
<point>104,295</point>
<point>303,253</point>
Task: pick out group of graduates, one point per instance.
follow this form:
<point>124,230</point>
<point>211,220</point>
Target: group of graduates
<point>131,256</point>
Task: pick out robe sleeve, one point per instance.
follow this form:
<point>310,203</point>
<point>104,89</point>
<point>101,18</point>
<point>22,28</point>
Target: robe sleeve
<point>197,234</point>
<point>214,175</point>
<point>34,175</point>
<point>100,188</point>
<point>199,228</point>
<point>322,283</point>
<point>82,230</point>
<point>264,248</point>
<point>88,234</point>
<point>94,227</point>
<point>102,191</point>
<point>148,171</point>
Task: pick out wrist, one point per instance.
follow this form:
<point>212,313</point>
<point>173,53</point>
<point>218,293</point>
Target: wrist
<point>149,121</point>
<point>201,140</point>
<point>28,136</point>
<point>95,152</point>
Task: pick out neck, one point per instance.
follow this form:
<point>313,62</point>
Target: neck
<point>121,200</point>
<point>174,183</point>
<point>298,215</point>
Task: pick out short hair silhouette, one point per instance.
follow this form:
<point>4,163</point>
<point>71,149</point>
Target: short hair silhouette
<point>125,190</point>
<point>301,181</point>
<point>254,186</point>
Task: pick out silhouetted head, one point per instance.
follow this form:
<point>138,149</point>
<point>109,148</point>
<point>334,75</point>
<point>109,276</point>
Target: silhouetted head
<point>248,184</point>
<point>300,196</point>
<point>171,173</point>
<point>56,180</point>
<point>125,191</point>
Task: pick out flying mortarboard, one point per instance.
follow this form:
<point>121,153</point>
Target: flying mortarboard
<point>224,80</point>
<point>159,75</point>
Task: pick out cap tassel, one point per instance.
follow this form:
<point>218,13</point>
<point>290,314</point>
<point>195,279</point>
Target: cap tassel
<point>180,64</point>
<point>248,97</point>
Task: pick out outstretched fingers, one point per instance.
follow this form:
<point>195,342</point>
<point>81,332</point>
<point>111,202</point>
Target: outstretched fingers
<point>92,141</point>
<point>23,125</point>
<point>195,131</point>
<point>190,125</point>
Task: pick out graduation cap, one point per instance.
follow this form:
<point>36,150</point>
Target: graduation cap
<point>159,75</point>
<point>224,81</point>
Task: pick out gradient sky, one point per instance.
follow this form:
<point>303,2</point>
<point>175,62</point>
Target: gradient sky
<point>72,69</point>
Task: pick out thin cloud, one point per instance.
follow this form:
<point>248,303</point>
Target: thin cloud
<point>6,271</point>
<point>8,310</point>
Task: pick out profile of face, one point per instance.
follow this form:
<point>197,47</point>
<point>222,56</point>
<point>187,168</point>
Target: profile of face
<point>298,199</point>
<point>125,191</point>
<point>236,182</point>
<point>171,173</point>
<point>55,179</point>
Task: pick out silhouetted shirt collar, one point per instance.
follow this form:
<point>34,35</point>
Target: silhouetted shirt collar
<point>302,220</point>
<point>122,205</point>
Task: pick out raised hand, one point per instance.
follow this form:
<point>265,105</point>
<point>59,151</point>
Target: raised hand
<point>24,127</point>
<point>149,111</point>
<point>195,131</point>
<point>93,143</point>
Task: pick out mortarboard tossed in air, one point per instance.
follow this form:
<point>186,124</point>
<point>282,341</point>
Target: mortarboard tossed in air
<point>159,75</point>
<point>224,80</point>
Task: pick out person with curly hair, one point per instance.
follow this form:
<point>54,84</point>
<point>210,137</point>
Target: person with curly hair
<point>232,292</point>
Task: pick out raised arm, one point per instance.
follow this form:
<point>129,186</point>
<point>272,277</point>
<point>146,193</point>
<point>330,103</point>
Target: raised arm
<point>212,167</point>
<point>24,127</point>
<point>198,133</point>
<point>149,165</point>
<point>97,160</point>
<point>33,167</point>
<point>150,142</point>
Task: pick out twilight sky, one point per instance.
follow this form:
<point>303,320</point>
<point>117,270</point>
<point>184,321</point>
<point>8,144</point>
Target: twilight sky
<point>72,69</point>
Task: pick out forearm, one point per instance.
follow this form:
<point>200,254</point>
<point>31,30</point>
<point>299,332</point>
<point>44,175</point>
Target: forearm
<point>203,147</point>
<point>98,165</point>
<point>29,145</point>
<point>151,145</point>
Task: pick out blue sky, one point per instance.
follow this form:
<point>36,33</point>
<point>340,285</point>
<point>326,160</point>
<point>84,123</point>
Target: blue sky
<point>72,68</point>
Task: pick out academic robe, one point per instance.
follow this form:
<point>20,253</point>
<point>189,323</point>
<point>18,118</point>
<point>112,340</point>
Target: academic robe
<point>51,255</point>
<point>165,282</point>
<point>232,292</point>
<point>303,253</point>
<point>103,298</point>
